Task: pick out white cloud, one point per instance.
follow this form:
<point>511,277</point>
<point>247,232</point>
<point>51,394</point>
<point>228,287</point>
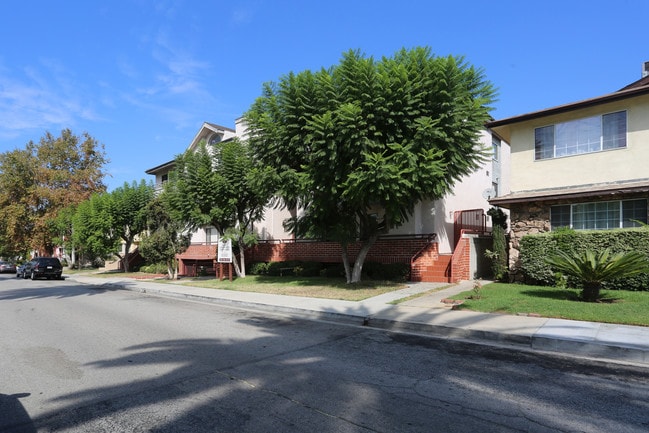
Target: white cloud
<point>40,97</point>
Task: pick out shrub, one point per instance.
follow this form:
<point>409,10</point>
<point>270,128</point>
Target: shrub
<point>308,269</point>
<point>275,269</point>
<point>386,271</point>
<point>535,248</point>
<point>258,268</point>
<point>593,268</point>
<point>336,270</point>
<point>154,268</point>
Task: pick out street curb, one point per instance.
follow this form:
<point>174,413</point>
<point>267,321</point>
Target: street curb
<point>590,350</point>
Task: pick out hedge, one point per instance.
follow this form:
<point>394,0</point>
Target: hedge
<point>535,248</point>
<point>371,270</point>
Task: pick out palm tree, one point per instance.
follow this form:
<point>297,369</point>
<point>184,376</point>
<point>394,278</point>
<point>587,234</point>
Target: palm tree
<point>594,268</point>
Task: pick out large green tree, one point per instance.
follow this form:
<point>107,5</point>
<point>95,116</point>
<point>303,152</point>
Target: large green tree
<point>126,211</point>
<point>91,233</point>
<point>165,236</point>
<point>223,186</point>
<point>17,183</point>
<point>357,145</point>
<point>42,179</point>
<point>107,224</point>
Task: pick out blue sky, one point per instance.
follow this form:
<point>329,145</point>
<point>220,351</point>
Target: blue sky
<point>141,76</point>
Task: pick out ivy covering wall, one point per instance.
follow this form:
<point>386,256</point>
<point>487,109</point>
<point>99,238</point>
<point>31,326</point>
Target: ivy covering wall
<point>535,248</point>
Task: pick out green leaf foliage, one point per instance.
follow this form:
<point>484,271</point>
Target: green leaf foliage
<point>592,268</point>
<point>357,145</point>
<point>126,211</point>
<point>165,236</point>
<point>535,248</point>
<point>41,180</point>
<point>223,186</point>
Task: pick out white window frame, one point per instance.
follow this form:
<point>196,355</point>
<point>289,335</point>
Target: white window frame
<point>580,136</point>
<point>610,204</point>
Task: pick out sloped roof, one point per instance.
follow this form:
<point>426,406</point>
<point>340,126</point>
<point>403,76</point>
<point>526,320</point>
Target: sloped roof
<point>610,189</point>
<point>205,129</point>
<point>164,167</point>
<point>636,88</point>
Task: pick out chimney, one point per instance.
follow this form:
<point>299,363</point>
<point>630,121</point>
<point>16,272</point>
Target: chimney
<point>645,69</point>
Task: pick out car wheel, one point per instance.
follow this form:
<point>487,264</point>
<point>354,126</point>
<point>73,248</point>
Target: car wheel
<point>33,276</point>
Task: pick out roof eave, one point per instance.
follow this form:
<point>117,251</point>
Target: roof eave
<point>539,196</point>
<point>611,97</point>
<point>158,168</point>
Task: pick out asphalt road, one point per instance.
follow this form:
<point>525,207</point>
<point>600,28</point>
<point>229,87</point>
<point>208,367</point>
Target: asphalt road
<point>74,358</point>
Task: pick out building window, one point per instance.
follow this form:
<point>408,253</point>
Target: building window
<point>164,178</point>
<point>211,236</point>
<point>591,134</point>
<point>495,144</point>
<point>599,215</point>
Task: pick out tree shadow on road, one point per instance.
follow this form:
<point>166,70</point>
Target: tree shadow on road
<point>298,375</point>
<point>51,289</point>
<point>13,416</point>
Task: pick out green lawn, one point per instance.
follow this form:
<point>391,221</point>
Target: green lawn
<point>313,287</point>
<point>622,307</point>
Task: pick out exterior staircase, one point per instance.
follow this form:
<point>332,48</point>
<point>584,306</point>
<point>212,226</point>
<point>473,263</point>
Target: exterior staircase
<point>428,265</point>
<point>437,270</point>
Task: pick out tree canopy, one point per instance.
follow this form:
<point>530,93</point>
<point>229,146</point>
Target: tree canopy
<point>126,214</point>
<point>164,238</point>
<point>224,187</point>
<point>40,180</point>
<point>357,145</point>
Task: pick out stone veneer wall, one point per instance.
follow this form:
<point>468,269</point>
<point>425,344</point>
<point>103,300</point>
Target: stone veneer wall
<point>525,219</point>
<point>534,218</point>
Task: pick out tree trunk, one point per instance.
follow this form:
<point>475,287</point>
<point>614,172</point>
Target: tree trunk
<point>240,264</point>
<point>590,292</point>
<point>127,246</point>
<point>73,258</point>
<point>172,269</point>
<point>360,259</point>
<point>348,272</point>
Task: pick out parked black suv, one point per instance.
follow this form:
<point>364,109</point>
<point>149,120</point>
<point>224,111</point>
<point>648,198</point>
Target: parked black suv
<point>48,267</point>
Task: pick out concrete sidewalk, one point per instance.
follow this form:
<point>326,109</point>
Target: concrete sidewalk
<point>426,314</point>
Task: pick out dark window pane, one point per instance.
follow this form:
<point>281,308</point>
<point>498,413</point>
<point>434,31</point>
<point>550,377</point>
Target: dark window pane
<point>559,216</point>
<point>544,142</point>
<point>633,211</point>
<point>614,130</point>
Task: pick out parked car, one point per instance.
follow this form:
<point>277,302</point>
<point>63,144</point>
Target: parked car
<point>7,267</point>
<point>19,271</point>
<point>48,267</point>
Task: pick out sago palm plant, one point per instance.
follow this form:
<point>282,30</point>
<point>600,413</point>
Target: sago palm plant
<point>594,268</point>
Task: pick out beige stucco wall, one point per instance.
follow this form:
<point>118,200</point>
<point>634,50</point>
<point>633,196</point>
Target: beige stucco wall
<point>600,167</point>
<point>437,217</point>
<point>429,216</point>
<point>272,225</point>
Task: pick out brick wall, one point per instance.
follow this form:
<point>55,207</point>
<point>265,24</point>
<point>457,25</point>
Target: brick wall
<point>430,266</point>
<point>420,252</point>
<point>385,250</point>
<point>461,261</point>
<point>194,256</point>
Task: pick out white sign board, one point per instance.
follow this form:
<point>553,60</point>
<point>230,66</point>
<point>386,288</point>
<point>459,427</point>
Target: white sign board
<point>225,251</point>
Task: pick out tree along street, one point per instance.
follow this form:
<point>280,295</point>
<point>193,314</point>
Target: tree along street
<point>79,358</point>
